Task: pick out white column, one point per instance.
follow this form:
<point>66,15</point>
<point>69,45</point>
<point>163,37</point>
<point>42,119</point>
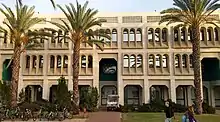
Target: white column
<point>146,91</point>
<point>212,95</point>
<point>55,64</point>
<point>172,90</point>
<point>95,71</point>
<point>32,93</point>
<point>62,62</point>
<point>121,92</point>
<point>20,82</point>
<point>189,98</point>
<point>31,64</point>
<point>120,80</point>
<point>46,64</point>
<point>37,63</point>
<point>209,95</point>
<point>70,77</point>
<point>46,90</point>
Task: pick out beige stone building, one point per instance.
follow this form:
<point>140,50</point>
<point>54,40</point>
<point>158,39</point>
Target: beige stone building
<point>142,61</point>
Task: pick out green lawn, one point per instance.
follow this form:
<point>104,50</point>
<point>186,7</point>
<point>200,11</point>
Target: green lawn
<point>159,117</point>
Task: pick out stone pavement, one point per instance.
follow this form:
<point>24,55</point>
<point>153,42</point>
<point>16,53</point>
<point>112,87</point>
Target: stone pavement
<point>104,117</point>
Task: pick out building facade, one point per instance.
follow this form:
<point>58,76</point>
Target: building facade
<point>142,61</point>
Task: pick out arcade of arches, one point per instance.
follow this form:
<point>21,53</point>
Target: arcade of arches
<point>136,94</point>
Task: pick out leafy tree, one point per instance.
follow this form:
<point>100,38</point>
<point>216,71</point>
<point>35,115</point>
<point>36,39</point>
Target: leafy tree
<point>80,20</point>
<point>63,96</point>
<point>18,25</point>
<point>89,98</point>
<point>193,14</point>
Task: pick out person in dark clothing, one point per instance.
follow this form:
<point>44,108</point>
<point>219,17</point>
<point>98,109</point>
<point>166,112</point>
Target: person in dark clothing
<point>169,112</point>
<point>191,114</point>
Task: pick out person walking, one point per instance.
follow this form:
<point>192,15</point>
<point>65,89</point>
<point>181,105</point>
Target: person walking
<point>169,111</point>
<point>191,114</point>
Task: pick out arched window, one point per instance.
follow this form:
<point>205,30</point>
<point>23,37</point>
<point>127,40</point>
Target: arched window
<point>42,37</point>
<point>126,61</point>
<point>177,61</point>
<point>53,37</point>
<point>114,35</point>
<point>5,37</point>
<point>157,35</point>
<point>90,61</point>
<point>59,61</point>
<point>52,61</point>
<point>108,32</point>
<point>65,62</point>
<point>191,61</point>
<point>158,59</point>
<point>27,61</point>
<point>125,35</point>
<point>165,61</point>
<point>189,34</point>
<point>202,34</point>
<point>150,34</point>
<point>183,32</point>
<point>41,61</point>
<point>132,61</point>
<point>59,36</point>
<point>151,61</point>
<point>131,35</point>
<point>83,61</point>
<point>216,32</point>
<point>176,35</point>
<point>66,34</point>
<point>184,61</point>
<point>139,61</point>
<point>138,35</point>
<point>34,63</point>
<point>164,34</point>
<point>209,34</point>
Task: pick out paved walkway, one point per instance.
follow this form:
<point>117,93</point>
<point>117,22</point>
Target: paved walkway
<point>104,117</point>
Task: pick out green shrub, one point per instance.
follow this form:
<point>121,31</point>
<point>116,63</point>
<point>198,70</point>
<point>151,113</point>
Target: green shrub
<point>5,93</point>
<point>179,108</point>
<point>159,106</point>
<point>30,106</point>
<point>122,109</point>
<point>21,96</point>
<point>208,109</point>
<point>89,98</point>
<point>145,108</point>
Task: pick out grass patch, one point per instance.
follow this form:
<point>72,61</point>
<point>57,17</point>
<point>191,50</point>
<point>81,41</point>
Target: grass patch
<point>159,117</point>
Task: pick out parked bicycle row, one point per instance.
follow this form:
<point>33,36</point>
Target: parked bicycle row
<point>40,115</point>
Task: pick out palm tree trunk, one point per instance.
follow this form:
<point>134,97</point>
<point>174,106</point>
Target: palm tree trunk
<point>15,75</point>
<point>197,67</point>
<point>75,65</point>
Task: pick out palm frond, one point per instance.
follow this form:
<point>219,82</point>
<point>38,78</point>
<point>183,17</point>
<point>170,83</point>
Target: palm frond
<point>32,44</point>
<point>9,63</point>
<point>171,11</point>
<point>62,27</point>
<point>98,43</point>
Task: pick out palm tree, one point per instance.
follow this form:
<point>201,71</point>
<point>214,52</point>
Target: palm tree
<point>80,20</point>
<point>52,2</point>
<point>193,14</point>
<point>18,25</point>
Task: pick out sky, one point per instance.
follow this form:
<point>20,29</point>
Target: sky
<point>44,6</point>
